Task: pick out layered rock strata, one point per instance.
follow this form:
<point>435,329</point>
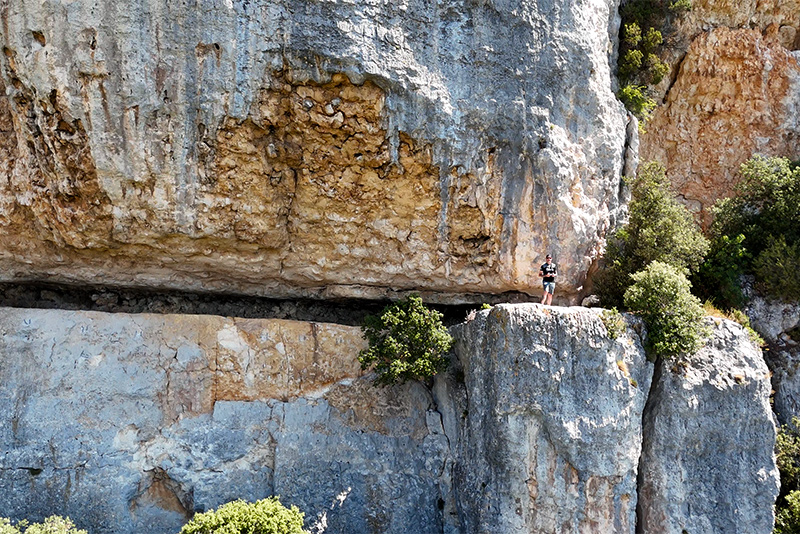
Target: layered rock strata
<point>131,423</point>
<point>308,149</point>
<point>707,461</point>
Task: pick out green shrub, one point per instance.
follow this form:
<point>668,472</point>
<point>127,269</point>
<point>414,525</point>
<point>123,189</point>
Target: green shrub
<point>267,516</point>
<point>614,322</point>
<point>766,205</point>
<point>673,316</point>
<point>406,342</point>
<point>659,229</point>
<point>637,101</point>
<point>719,277</point>
<point>51,525</point>
<point>651,39</point>
<point>765,212</point>
<point>656,68</point>
<point>680,6</point>
<point>787,453</point>
<point>787,516</point>
<point>630,63</point>
<point>778,269</point>
<point>633,34</point>
<point>644,25</point>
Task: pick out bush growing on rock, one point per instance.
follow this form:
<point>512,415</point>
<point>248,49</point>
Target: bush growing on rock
<point>640,67</point>
<point>407,341</point>
<point>757,232</point>
<point>267,516</point>
<point>659,229</point>
<point>787,452</point>
<point>661,294</point>
<point>52,525</point>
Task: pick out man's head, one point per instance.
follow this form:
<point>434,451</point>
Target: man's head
<point>548,258</point>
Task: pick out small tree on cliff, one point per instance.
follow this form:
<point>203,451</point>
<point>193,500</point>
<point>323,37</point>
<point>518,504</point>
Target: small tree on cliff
<point>407,341</point>
<point>659,229</point>
<point>674,317</point>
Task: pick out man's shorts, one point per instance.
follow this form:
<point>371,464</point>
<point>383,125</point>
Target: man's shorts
<point>549,287</point>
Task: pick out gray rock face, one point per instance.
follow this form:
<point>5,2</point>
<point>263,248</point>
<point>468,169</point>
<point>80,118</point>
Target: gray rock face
<point>707,458</point>
<point>131,423</point>
<point>308,148</point>
<point>774,320</point>
<point>552,432</point>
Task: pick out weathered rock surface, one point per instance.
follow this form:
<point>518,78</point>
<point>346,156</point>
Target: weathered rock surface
<point>130,423</point>
<point>552,434</point>
<point>779,324</point>
<point>736,93</point>
<point>308,149</point>
<point>707,460</point>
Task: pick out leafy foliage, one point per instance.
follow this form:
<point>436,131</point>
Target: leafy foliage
<point>778,269</point>
<point>637,101</point>
<point>614,322</point>
<point>787,517</point>
<point>787,451</point>
<point>267,516</point>
<point>641,39</point>
<point>661,294</point>
<point>406,342</point>
<point>719,276</point>
<point>51,525</point>
<point>765,212</point>
<point>659,229</point>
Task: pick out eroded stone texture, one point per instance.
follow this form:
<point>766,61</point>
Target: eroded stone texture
<point>308,149</point>
<point>707,458</point>
<point>780,18</point>
<point>737,93</point>
<point>552,428</point>
<point>131,423</point>
<point>778,323</point>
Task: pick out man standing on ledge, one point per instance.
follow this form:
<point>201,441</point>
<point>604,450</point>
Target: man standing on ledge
<point>548,274</point>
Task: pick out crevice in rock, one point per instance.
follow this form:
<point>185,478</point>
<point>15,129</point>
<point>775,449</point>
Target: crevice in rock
<point>648,406</point>
<point>43,295</point>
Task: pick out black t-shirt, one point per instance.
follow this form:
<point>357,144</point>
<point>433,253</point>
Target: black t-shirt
<point>548,270</point>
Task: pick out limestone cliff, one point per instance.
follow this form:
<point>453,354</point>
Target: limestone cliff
<point>308,148</point>
<point>734,91</point>
<point>130,423</point>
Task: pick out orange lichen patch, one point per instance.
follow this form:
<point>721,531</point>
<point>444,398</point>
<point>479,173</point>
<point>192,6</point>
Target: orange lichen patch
<point>158,489</point>
<point>473,215</point>
<point>283,359</point>
<point>52,182</point>
<point>728,102</point>
<point>315,176</point>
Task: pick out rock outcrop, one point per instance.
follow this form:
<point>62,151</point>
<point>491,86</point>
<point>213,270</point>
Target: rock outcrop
<point>131,423</point>
<point>779,324</point>
<point>707,459</point>
<point>308,149</point>
<point>552,432</point>
<point>734,92</point>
